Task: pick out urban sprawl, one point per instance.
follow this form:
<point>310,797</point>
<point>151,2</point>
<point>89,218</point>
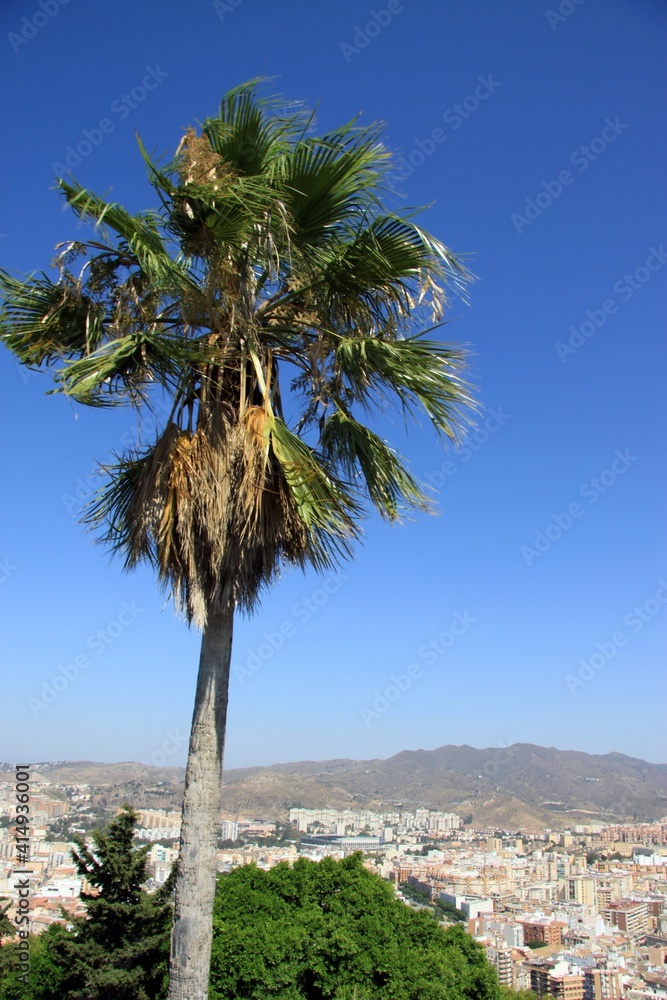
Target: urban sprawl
<point>579,914</point>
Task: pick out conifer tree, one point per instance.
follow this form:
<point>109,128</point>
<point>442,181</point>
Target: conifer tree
<point>7,928</point>
<point>120,950</point>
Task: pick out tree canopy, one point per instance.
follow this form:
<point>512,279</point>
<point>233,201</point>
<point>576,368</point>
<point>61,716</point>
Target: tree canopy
<point>7,928</point>
<point>120,950</point>
<point>267,303</point>
<point>333,929</point>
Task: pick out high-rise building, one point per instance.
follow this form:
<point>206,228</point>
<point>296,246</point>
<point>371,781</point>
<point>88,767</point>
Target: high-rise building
<point>501,958</point>
<point>602,984</point>
<point>579,889</point>
<point>556,979</point>
<point>543,931</point>
<point>630,916</point>
<point>229,830</point>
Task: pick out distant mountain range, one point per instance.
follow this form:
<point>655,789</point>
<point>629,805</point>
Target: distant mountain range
<point>516,786</point>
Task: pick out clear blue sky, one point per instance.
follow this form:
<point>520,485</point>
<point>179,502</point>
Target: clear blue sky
<point>564,111</point>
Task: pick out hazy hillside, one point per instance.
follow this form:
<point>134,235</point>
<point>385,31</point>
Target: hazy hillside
<point>520,785</point>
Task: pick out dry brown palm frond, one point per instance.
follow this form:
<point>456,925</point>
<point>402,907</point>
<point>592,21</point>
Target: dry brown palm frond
<point>199,163</point>
<point>143,507</point>
<point>216,511</point>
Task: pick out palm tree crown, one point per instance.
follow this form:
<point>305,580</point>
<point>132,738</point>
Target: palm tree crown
<point>271,258</point>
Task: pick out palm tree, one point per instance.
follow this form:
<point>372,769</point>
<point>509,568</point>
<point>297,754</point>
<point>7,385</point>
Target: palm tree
<point>267,304</point>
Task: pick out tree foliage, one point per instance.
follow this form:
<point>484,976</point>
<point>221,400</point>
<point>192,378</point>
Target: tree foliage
<point>335,930</point>
<point>449,911</point>
<point>269,302</point>
<point>120,950</point>
<point>7,928</point>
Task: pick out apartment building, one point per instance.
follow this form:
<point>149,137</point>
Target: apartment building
<point>229,830</point>
<point>552,978</point>
<point>567,986</point>
<point>432,820</point>
<point>544,931</point>
<point>577,889</point>
<point>602,984</point>
<point>501,958</point>
<point>158,819</point>
<point>630,916</point>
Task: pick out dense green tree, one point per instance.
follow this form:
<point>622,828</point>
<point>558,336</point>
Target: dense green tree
<point>332,930</point>
<point>441,909</point>
<point>14,984</point>
<point>7,928</point>
<point>120,951</point>
<point>449,911</point>
<point>267,305</point>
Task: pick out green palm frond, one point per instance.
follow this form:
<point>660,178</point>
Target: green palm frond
<point>416,371</point>
<point>140,233</point>
<point>334,179</point>
<point>160,178</point>
<point>384,270</point>
<point>357,450</point>
<point>250,131</point>
<point>270,251</point>
<point>41,320</point>
<point>323,501</point>
<point>128,365</point>
<point>224,214</point>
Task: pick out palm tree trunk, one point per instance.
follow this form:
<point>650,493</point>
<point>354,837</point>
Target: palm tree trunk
<point>195,883</point>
